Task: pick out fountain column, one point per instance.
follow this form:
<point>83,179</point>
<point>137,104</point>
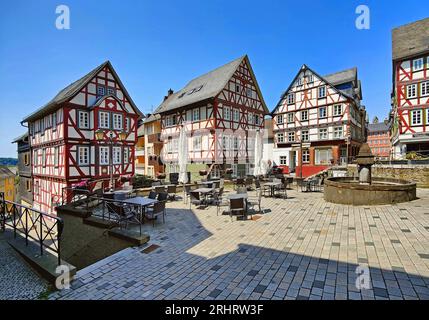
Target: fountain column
<point>365,160</point>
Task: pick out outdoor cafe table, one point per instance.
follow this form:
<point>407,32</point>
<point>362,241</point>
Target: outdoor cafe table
<point>204,192</point>
<point>141,202</point>
<point>272,186</point>
<point>244,196</point>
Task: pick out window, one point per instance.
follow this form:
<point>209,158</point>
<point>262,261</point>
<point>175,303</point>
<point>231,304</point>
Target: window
<point>290,117</point>
<point>117,158</point>
<point>117,121</point>
<point>234,169</point>
<point>310,78</point>
<point>291,136</point>
<point>412,91</point>
<point>227,113</point>
<point>104,120</point>
<point>323,134</point>
<point>111,91</point>
<point>256,116</point>
<point>237,88</point>
<point>101,91</point>
<point>56,156</point>
<point>280,119</point>
<point>83,156</point>
<point>28,185</point>
<point>249,92</point>
<point>305,136</point>
<point>338,132</point>
<point>197,143</point>
<point>338,110</point>
<point>322,112</point>
<point>299,81</point>
<point>235,143</point>
<point>225,143</point>
<point>36,158</point>
<point>418,64</point>
<point>323,156</point>
<point>236,115</point>
<point>304,115</point>
<point>44,157</point>
<point>416,117</point>
<point>280,137</point>
<point>54,121</point>
<point>196,115</point>
<point>83,119</point>
<point>305,156</point>
<point>424,88</point>
<point>250,118</point>
<point>283,160</point>
<point>321,92</point>
<point>27,159</point>
<point>126,155</point>
<point>104,156</point>
<point>127,124</point>
<point>291,98</point>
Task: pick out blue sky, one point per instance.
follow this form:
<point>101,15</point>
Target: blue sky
<point>157,45</point>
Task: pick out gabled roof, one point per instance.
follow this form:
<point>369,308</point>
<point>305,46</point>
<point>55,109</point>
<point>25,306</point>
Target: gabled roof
<point>72,89</point>
<point>381,126</point>
<point>5,172</point>
<point>411,39</point>
<point>333,80</point>
<point>20,138</point>
<point>206,87</point>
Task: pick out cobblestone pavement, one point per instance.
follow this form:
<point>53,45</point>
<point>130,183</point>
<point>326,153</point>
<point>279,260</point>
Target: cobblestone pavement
<point>300,248</point>
<point>17,280</point>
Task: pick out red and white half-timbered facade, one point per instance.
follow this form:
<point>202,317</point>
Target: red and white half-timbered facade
<point>410,130</point>
<point>318,122</point>
<point>219,111</point>
<point>62,137</point>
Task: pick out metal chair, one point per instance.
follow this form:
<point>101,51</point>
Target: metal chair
<point>171,191</point>
<point>152,195</point>
<point>122,213</point>
<point>159,189</point>
<point>187,191</point>
<point>252,202</point>
<point>194,198</point>
<point>249,183</point>
<point>236,206</point>
<point>219,201</point>
<point>156,210</point>
<point>162,197</point>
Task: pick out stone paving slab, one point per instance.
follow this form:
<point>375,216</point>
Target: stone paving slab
<point>300,248</point>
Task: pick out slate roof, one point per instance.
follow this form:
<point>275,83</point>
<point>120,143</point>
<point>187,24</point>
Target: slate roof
<point>204,87</point>
<point>20,138</point>
<point>410,39</point>
<point>5,172</point>
<point>72,89</point>
<point>376,127</point>
<point>342,76</point>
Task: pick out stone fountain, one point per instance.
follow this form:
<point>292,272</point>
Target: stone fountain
<point>368,190</point>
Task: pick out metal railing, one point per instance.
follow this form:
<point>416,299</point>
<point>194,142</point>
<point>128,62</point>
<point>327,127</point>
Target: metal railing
<point>44,229</point>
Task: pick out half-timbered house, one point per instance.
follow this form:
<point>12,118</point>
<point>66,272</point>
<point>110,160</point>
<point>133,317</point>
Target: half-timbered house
<point>62,137</point>
<point>219,110</point>
<point>410,93</point>
<point>318,122</point>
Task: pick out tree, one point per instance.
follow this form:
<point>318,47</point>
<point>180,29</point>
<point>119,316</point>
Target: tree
<point>375,120</point>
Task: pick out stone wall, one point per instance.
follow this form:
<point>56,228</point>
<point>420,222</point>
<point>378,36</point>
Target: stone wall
<point>415,173</point>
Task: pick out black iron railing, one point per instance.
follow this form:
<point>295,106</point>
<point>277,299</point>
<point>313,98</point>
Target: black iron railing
<point>43,229</point>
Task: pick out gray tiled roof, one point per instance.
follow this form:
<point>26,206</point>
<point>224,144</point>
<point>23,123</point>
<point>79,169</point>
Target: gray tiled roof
<point>20,138</point>
<point>71,90</point>
<point>344,76</point>
<point>375,127</point>
<point>205,87</point>
<point>411,39</point>
<point>5,172</point>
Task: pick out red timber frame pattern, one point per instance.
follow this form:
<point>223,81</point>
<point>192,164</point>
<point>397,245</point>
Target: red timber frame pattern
<point>405,76</point>
<point>49,180</point>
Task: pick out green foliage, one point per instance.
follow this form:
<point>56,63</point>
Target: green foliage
<point>140,181</point>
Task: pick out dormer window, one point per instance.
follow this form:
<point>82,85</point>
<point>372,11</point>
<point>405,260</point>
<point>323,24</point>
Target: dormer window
<point>101,91</point>
<point>418,64</point>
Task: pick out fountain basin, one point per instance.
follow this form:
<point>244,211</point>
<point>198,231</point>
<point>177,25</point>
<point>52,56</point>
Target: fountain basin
<point>343,190</point>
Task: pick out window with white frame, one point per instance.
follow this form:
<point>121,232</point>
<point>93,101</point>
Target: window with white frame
<point>117,158</point>
<point>250,118</point>
<point>305,136</point>
<point>126,155</point>
<point>427,116</point>
<point>225,145</point>
<point>196,142</point>
<point>54,121</point>
<point>424,89</point>
<point>236,113</point>
<point>305,156</point>
<point>283,160</point>
<point>321,92</point>
<point>249,92</point>
<point>196,115</point>
<point>290,117</point>
<point>44,157</point>
<point>322,112</point>
<point>418,64</point>
<point>338,110</point>
<point>412,91</point>
<point>104,156</point>
<point>117,121</point>
<point>338,132</point>
<point>83,119</point>
<point>127,124</point>
<point>111,91</point>
<point>235,143</point>
<point>101,91</point>
<point>227,113</point>
<point>83,156</point>
<point>280,137</point>
<point>291,136</point>
<point>56,156</point>
<point>304,115</point>
<point>299,81</point>
<point>323,156</point>
<point>416,117</point>
<point>310,78</point>
<point>104,121</point>
<point>323,134</point>
<point>280,119</point>
<point>291,98</point>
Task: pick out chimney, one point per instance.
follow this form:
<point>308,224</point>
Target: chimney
<point>169,93</point>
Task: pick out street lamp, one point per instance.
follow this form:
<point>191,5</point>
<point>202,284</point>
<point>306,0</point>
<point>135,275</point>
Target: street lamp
<point>102,135</point>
